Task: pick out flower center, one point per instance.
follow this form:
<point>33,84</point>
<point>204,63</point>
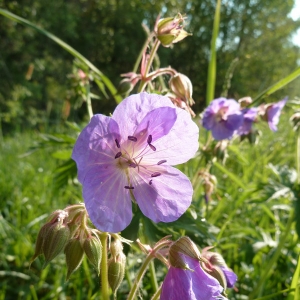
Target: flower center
<point>130,156</point>
<point>221,114</point>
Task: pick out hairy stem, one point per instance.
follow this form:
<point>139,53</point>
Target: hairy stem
<point>104,267</point>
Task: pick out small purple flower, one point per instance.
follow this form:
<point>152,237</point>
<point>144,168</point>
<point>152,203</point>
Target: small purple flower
<point>190,284</point>
<point>250,115</point>
<point>128,157</point>
<point>223,117</point>
<point>230,276</point>
<point>273,113</point>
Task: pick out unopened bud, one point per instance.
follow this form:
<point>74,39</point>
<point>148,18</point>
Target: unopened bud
<point>295,120</point>
<point>245,101</point>
<point>116,271</point>
<point>116,248</point>
<point>55,241</point>
<point>182,87</point>
<point>217,273</point>
<point>93,249</point>
<point>40,241</point>
<point>74,255</point>
<point>185,246</point>
<point>170,30</point>
<point>125,86</point>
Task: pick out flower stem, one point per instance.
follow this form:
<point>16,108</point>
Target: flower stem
<point>88,101</point>
<point>268,268</point>
<point>298,156</point>
<point>149,64</point>
<point>153,276</point>
<point>139,276</point>
<point>157,294</point>
<point>104,267</point>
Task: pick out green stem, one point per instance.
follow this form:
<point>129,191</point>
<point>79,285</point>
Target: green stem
<point>153,277</point>
<point>149,64</point>
<point>298,156</point>
<point>269,267</point>
<point>88,101</point>
<point>139,276</point>
<point>104,268</point>
<point>157,294</point>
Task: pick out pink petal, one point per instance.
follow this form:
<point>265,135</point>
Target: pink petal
<point>166,197</point>
<point>107,201</point>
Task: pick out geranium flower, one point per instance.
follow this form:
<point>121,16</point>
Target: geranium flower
<point>129,155</point>
<point>250,115</point>
<point>190,284</point>
<point>223,117</point>
<point>273,113</point>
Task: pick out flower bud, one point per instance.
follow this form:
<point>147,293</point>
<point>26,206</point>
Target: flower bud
<point>295,121</point>
<point>217,273</point>
<point>74,255</point>
<point>245,101</point>
<point>116,248</point>
<point>40,241</point>
<point>116,271</point>
<point>55,241</point>
<point>182,87</point>
<point>93,249</point>
<point>183,245</point>
<point>170,30</point>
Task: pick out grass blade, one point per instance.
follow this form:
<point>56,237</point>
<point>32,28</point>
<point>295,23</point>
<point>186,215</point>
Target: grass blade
<point>278,85</point>
<point>211,76</point>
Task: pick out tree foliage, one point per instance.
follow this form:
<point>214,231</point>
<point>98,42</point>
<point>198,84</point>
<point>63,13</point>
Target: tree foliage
<point>256,35</point>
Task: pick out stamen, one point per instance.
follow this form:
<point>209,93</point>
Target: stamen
<point>119,154</point>
<point>155,174</point>
<point>132,138</point>
<point>149,140</point>
<point>161,162</point>
<point>150,182</point>
<point>152,147</point>
<point>117,143</point>
<point>128,187</point>
<point>133,165</point>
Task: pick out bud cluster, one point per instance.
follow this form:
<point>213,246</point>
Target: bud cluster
<point>67,231</point>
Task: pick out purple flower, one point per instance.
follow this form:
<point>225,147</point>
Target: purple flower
<point>230,276</point>
<point>128,157</point>
<point>273,113</point>
<point>249,117</point>
<point>190,284</point>
<point>223,117</point>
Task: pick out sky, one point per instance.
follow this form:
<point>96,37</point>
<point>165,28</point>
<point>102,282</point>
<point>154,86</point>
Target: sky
<point>295,14</point>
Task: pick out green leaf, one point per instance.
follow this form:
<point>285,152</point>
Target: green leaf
<point>68,48</point>
<point>278,85</point>
<point>294,294</point>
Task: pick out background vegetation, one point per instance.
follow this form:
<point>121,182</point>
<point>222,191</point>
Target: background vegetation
<point>248,219</point>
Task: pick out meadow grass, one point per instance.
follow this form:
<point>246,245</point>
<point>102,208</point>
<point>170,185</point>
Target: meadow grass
<point>247,219</point>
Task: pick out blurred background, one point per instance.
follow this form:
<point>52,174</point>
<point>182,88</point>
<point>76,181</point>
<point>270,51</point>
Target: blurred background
<point>257,42</point>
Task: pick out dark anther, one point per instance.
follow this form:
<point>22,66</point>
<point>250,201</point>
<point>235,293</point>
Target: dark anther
<point>155,174</point>
<point>152,147</point>
<point>132,165</point>
<point>149,140</point>
<point>150,182</point>
<point>161,162</point>
<point>128,187</point>
<point>119,154</point>
<point>132,138</point>
<point>117,143</point>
